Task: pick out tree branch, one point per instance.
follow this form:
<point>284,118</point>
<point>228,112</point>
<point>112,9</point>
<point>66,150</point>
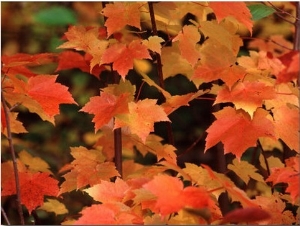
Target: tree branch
<point>14,160</point>
<point>159,69</point>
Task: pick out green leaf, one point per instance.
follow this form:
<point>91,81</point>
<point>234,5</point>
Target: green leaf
<point>259,11</point>
<point>56,16</point>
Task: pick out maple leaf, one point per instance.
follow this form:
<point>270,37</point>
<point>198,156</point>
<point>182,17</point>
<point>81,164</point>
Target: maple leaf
<point>173,63</point>
<point>34,186</point>
<point>238,10</point>
<point>87,161</point>
<point>246,95</point>
<point>48,93</point>
<point>237,131</point>
<point>287,128</point>
<point>122,56</point>
<point>120,14</point>
<point>32,105</point>
<point>234,192</point>
<point>245,171</point>
<point>188,39</point>
<point>52,205</point>
<point>79,38</point>
<point>172,200</point>
<point>35,164</point>
<point>17,64</point>
<point>139,121</point>
<point>153,43</point>
<point>276,207</point>
<point>108,213</point>
<point>71,59</point>
<point>291,71</point>
<point>176,101</point>
<point>289,174</point>
<point>15,125</point>
<point>107,191</point>
<point>105,107</point>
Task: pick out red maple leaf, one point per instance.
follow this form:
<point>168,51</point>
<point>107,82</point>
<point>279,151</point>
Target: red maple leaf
<point>237,131</point>
<point>105,107</point>
<point>238,10</point>
<point>120,14</point>
<point>291,70</point>
<point>34,186</point>
<point>48,93</point>
<point>122,56</point>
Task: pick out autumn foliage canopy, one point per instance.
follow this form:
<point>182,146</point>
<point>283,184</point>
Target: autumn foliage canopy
<point>252,86</point>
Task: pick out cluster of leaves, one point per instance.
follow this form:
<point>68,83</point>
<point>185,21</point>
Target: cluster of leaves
<point>257,101</point>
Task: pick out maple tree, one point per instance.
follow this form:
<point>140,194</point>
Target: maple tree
<point>134,49</point>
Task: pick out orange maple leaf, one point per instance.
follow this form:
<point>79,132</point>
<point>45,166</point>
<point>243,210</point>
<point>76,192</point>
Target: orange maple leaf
<point>141,117</point>
<point>172,200</point>
<point>120,14</point>
<point>238,10</point>
<point>48,93</point>
<point>107,191</point>
<point>92,161</point>
<point>15,125</point>
<point>105,107</point>
<point>34,186</point>
<point>108,213</point>
<point>237,131</point>
<point>122,56</point>
<point>246,95</point>
<point>188,38</point>
<point>286,122</point>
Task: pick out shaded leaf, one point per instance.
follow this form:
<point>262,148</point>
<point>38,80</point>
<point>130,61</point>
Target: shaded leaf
<point>35,164</point>
<point>153,43</point>
<point>245,171</point>
<point>188,38</point>
<point>246,215</point>
<point>55,206</point>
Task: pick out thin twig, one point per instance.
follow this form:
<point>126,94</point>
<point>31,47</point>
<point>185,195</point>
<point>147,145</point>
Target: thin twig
<point>12,151</point>
<point>283,12</point>
<point>265,157</point>
<point>159,69</point>
<point>5,216</point>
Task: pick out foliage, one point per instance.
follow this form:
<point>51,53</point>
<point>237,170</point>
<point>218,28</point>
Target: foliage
<point>131,53</point>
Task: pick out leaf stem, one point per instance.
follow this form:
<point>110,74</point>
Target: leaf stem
<point>14,160</point>
<point>159,69</point>
<point>5,216</point>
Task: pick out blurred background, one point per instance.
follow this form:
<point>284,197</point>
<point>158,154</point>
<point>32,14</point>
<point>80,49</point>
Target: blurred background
<point>38,27</point>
